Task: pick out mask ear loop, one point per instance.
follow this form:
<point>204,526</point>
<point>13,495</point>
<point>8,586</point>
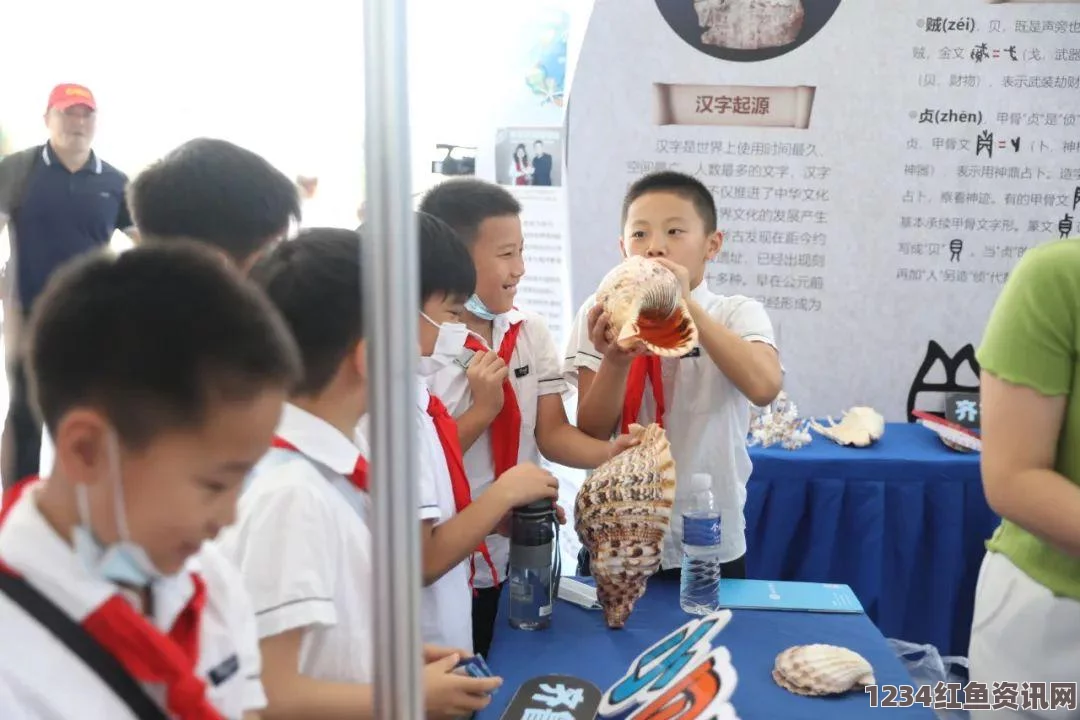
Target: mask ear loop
<point>112,452</point>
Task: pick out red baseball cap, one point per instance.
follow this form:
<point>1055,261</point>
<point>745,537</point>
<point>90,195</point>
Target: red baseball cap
<point>68,95</point>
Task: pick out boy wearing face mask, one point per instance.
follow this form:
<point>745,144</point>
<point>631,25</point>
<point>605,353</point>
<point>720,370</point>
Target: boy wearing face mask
<point>302,539</point>
<point>459,525</point>
<point>106,581</point>
<point>508,402</point>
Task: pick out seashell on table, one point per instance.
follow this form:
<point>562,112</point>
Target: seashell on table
<point>621,514</point>
<point>821,670</point>
<point>860,427</point>
<point>644,301</point>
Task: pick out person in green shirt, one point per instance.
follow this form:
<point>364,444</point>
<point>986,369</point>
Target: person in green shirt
<point>1026,624</point>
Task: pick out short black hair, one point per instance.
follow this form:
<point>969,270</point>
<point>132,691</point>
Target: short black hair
<point>215,192</point>
<point>152,338</point>
<point>446,267</point>
<point>464,203</point>
<point>676,183</point>
<point>315,281</point>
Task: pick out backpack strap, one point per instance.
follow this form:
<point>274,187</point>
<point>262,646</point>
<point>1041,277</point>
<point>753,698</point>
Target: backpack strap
<point>15,172</point>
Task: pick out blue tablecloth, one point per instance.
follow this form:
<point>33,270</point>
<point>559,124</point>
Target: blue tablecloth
<point>902,522</point>
<point>579,644</point>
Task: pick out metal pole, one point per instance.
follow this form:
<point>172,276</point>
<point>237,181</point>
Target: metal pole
<point>392,305</point>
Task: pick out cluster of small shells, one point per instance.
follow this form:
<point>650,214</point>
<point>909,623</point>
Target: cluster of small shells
<point>621,514</point>
<point>779,424</point>
<point>817,670</point>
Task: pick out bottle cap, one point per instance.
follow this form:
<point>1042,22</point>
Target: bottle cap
<point>538,508</point>
<point>700,481</point>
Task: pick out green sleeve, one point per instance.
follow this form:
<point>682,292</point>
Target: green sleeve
<point>1030,339</point>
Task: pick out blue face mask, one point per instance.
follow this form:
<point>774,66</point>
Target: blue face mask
<point>477,307</point>
<point>125,562</point>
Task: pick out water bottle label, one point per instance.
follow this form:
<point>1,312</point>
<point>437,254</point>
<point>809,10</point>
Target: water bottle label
<point>701,531</point>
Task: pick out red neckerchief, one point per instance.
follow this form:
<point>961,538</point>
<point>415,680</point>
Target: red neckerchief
<point>642,368</point>
<point>446,428</point>
<point>358,477</point>
<point>506,428</point>
<point>147,654</point>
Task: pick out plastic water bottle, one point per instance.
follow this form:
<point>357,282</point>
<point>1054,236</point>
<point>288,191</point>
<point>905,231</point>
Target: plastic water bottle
<point>699,590</point>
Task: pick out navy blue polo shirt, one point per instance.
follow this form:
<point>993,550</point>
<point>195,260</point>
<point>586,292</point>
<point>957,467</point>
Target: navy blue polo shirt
<point>64,214</point>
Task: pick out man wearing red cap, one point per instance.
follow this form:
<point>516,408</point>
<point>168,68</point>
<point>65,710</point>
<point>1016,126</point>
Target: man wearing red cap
<point>58,200</point>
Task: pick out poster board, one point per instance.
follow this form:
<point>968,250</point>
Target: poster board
<point>878,167</point>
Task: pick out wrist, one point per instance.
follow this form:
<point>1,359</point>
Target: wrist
<point>616,358</point>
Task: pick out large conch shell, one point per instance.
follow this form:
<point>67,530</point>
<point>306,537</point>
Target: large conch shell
<point>644,302</point>
<point>821,670</point>
<point>621,514</point>
<point>860,427</point>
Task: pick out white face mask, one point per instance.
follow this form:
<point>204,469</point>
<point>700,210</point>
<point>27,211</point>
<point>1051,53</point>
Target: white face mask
<point>125,562</point>
<point>448,347</point>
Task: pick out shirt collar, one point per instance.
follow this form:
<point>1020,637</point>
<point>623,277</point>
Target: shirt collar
<point>93,163</point>
<point>503,321</point>
<point>30,546</point>
<point>318,440</point>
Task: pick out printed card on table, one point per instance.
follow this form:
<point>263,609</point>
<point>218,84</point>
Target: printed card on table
<point>797,596</point>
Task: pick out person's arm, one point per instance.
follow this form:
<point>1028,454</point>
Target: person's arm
<point>1021,429</point>
<point>752,365</point>
<point>1027,358</point>
<point>558,440</point>
<point>294,696</point>
<point>601,391</point>
<point>447,694</point>
<point>563,444</point>
<point>449,543</point>
<point>284,544</point>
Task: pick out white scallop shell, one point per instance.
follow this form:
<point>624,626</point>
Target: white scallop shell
<point>821,670</point>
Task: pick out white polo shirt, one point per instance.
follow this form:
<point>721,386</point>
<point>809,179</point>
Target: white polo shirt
<point>534,372</point>
<point>446,604</point>
<point>49,681</point>
<point>706,416</point>
<point>303,547</point>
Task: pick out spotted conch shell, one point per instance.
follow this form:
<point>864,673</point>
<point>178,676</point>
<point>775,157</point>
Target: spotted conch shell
<point>621,515</point>
<point>644,302</point>
<point>821,670</point>
<point>860,427</point>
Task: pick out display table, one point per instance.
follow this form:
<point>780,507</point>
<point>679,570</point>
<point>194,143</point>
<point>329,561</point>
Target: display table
<point>902,522</point>
<point>579,644</point>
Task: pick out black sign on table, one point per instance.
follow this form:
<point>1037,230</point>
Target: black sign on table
<point>963,408</point>
<point>554,697</point>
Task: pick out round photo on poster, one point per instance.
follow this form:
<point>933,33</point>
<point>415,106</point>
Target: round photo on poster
<point>746,30</point>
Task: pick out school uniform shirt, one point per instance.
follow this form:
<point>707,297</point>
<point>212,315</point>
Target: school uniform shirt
<point>303,547</point>
<point>706,417</point>
<point>49,681</point>
<point>446,604</point>
<point>534,373</point>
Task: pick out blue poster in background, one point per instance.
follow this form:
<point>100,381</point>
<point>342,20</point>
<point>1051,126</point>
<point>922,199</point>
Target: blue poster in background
<point>546,78</point>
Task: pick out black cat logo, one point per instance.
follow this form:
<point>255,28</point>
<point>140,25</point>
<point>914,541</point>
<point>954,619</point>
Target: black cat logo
<point>935,353</point>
